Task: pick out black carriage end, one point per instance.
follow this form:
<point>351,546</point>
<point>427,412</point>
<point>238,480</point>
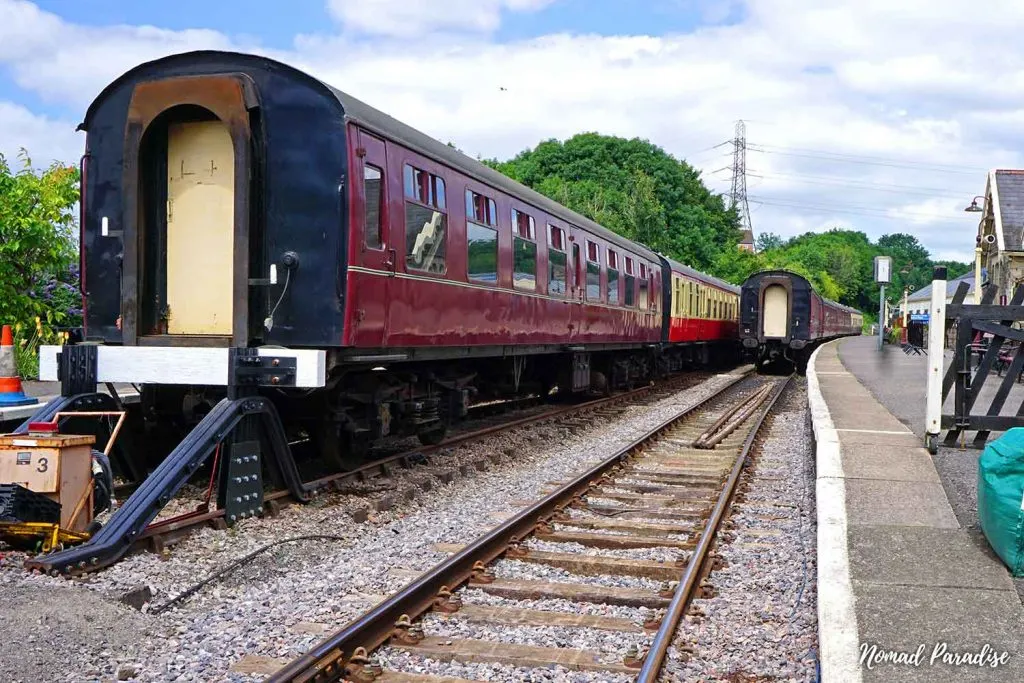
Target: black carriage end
<point>1003,352</point>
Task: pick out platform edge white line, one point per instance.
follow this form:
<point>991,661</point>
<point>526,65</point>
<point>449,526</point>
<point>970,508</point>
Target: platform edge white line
<point>837,616</point>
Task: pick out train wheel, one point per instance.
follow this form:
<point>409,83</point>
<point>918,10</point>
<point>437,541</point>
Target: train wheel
<point>433,435</point>
<point>341,449</point>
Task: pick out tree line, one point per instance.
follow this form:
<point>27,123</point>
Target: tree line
<point>643,193</point>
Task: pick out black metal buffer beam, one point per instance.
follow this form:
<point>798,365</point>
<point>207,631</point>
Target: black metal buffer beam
<point>254,428</point>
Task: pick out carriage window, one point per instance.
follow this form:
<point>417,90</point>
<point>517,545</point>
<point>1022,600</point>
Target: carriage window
<point>481,209</point>
<point>613,277</point>
<point>630,296</point>
<point>424,187</point>
<point>372,201</point>
<point>557,262</point>
<point>524,274</point>
<point>644,294</point>
<point>523,225</point>
<point>426,232</point>
<point>557,238</point>
<point>426,223</point>
<point>593,272</point>
<point>482,247</point>
<point>629,266</point>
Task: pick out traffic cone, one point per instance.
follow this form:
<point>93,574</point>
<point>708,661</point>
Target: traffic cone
<point>11,392</point>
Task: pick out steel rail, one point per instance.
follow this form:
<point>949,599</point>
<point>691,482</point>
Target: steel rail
<point>327,660</point>
<point>162,531</point>
<point>684,591</point>
<point>743,415</point>
<point>700,441</point>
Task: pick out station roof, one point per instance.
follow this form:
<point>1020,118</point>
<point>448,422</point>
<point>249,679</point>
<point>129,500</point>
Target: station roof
<point>1004,209</point>
<point>925,293</point>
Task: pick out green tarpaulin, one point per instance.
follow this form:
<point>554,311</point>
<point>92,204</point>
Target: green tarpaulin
<point>1000,493</point>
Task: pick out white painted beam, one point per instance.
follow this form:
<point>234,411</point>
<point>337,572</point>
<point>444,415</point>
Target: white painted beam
<point>181,364</point>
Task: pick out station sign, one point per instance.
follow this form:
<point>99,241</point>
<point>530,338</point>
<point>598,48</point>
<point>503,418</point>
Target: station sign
<point>919,317</point>
<point>883,270</point>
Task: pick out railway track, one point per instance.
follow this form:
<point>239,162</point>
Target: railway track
<point>168,530</point>
<point>636,530</point>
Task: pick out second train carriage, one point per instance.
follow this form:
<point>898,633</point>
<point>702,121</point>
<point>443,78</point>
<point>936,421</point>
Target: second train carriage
<point>232,201</point>
<point>782,318</point>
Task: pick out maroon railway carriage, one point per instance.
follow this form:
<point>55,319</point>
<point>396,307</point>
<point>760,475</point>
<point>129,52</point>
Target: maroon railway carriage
<point>783,318</point>
<point>232,201</point>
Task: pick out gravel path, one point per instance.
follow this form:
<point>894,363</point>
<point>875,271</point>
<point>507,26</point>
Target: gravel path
<point>762,625</point>
<point>281,603</point>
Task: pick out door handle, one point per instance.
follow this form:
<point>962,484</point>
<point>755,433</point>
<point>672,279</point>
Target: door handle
<point>392,260</point>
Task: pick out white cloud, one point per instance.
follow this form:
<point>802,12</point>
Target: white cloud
<point>923,98</point>
<point>44,139</point>
<point>402,18</point>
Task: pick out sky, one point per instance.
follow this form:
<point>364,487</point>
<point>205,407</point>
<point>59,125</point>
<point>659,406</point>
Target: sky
<point>873,115</point>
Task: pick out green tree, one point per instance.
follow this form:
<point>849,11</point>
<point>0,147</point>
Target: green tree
<point>634,188</point>
<point>766,241</point>
<point>37,242</point>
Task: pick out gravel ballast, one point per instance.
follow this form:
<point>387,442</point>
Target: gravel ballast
<point>284,600</point>
<point>762,624</point>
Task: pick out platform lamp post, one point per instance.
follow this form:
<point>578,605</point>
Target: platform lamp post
<point>883,275</point>
<point>974,208</point>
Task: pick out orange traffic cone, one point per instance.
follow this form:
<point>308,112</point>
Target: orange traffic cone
<point>11,392</point>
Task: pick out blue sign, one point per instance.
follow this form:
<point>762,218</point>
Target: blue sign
<point>919,317</point>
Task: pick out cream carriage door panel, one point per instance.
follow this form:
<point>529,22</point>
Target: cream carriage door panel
<point>200,227</point>
<point>776,312</point>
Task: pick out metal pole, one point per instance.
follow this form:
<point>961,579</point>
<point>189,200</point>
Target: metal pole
<point>936,359</point>
<point>903,337</point>
<point>881,317</point>
<point>977,275</point>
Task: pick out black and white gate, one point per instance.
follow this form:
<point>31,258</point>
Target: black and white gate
<point>986,340</point>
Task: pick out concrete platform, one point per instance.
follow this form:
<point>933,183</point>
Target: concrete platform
<point>902,580</point>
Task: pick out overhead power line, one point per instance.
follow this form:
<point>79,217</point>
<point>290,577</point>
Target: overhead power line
<point>856,209</point>
<point>838,157</point>
<point>858,184</point>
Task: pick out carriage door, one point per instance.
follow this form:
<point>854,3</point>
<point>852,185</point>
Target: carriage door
<point>775,316</point>
<point>370,228</point>
<point>200,228</point>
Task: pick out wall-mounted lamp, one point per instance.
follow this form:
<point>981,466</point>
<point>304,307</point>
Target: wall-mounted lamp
<point>974,208</point>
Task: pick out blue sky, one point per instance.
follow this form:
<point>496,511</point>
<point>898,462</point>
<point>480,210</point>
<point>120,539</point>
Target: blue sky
<point>863,114</point>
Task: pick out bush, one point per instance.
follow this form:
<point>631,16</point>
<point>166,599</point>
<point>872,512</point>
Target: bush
<point>38,249</point>
<point>27,340</point>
